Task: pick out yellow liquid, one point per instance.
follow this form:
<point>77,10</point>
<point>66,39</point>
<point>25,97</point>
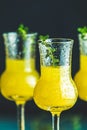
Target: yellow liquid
<point>18,81</point>
<point>55,90</point>
<point>81,78</point>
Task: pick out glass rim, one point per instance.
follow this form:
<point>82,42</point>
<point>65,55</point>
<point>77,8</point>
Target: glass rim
<point>15,33</point>
<point>59,40</point>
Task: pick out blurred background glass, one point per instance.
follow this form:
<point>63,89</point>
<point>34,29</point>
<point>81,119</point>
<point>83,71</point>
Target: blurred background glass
<point>20,76</point>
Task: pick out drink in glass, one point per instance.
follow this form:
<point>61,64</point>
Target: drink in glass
<point>55,91</point>
<point>20,77</point>
<point>81,76</point>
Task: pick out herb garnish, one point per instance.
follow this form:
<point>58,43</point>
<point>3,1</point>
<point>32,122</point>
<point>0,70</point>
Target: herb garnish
<point>22,31</point>
<point>50,50</point>
<point>52,55</point>
<point>43,37</point>
<point>82,31</point>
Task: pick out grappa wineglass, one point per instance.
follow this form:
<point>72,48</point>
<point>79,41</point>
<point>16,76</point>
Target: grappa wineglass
<point>55,91</point>
<point>81,76</point>
<point>20,77</point>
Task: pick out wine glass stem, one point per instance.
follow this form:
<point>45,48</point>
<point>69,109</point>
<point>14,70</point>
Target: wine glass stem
<point>55,122</point>
<point>21,117</point>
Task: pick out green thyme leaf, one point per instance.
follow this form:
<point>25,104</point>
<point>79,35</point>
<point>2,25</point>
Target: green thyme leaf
<point>22,31</point>
<point>43,38</point>
<point>82,31</point>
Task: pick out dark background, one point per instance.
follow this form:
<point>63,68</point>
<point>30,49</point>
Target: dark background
<point>58,18</point>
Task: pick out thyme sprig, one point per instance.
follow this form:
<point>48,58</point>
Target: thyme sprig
<point>43,37</point>
<point>51,52</point>
<point>53,57</point>
<point>82,31</point>
<point>22,31</point>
